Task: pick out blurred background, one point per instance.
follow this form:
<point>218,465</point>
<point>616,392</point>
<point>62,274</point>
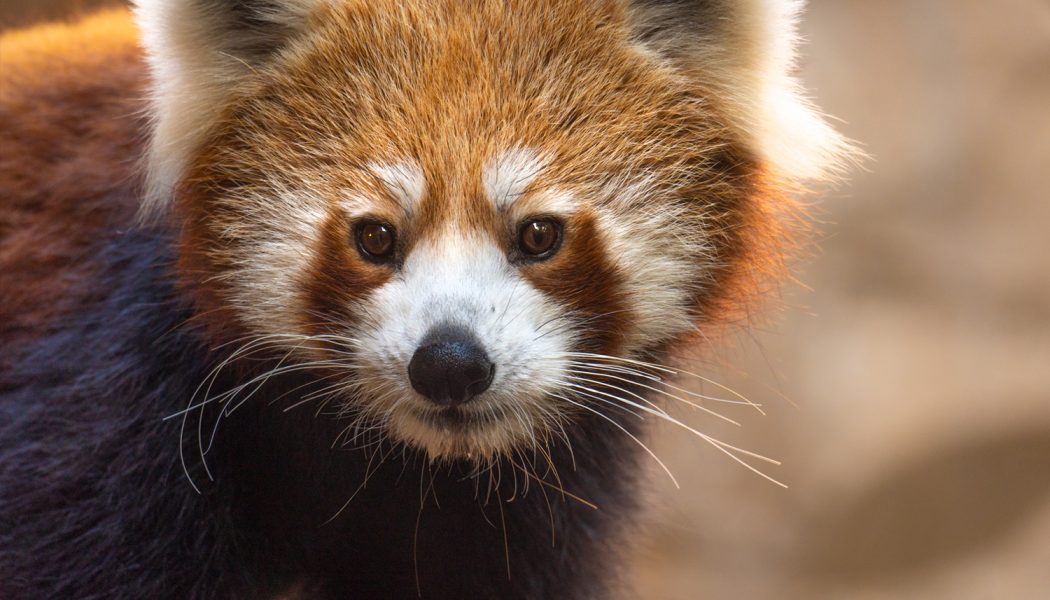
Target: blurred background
<point>906,385</point>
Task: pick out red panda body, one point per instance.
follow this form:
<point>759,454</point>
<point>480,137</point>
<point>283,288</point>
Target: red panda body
<point>366,302</point>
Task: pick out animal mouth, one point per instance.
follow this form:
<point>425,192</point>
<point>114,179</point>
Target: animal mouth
<point>456,419</point>
<point>458,432</point>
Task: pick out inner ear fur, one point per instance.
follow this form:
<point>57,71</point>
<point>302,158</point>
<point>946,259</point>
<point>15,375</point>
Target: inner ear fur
<point>221,30</point>
<point>198,50</point>
<point>745,52</point>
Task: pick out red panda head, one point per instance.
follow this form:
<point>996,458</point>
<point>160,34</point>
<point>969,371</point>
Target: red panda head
<point>459,208</point>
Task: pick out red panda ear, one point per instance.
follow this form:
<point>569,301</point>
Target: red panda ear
<point>211,31</point>
<point>744,52</point>
<point>197,51</point>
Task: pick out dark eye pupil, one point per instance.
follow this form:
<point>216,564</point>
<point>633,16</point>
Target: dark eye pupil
<point>376,239</point>
<point>538,237</point>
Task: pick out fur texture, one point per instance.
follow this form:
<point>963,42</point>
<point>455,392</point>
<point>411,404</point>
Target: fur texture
<point>204,387</point>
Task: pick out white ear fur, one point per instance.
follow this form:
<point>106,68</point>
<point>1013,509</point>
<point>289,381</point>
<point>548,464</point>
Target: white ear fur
<point>197,50</point>
<point>747,51</point>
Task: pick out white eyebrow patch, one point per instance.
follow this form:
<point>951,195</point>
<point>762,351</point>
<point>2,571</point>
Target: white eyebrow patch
<point>554,201</point>
<point>507,176</point>
<point>405,182</point>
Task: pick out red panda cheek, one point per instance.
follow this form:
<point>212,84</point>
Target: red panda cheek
<point>583,278</point>
<point>337,279</point>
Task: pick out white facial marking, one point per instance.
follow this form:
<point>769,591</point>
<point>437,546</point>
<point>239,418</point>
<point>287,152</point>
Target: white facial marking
<point>405,182</point>
<point>467,283</point>
<point>279,243</point>
<point>509,174</point>
<point>553,201</point>
<point>640,239</point>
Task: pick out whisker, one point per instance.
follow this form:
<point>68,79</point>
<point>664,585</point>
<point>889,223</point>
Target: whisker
<point>725,448</point>
<point>665,369</point>
<point>249,346</point>
<point>659,391</point>
<point>658,379</point>
<point>629,434</point>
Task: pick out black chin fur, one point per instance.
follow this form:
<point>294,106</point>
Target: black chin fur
<point>94,502</point>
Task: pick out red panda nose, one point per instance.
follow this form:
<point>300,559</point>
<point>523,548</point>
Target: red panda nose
<point>450,367</point>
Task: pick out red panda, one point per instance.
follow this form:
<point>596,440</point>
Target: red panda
<point>365,299</point>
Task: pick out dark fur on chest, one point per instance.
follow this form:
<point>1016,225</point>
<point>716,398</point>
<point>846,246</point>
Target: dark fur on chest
<point>94,502</point>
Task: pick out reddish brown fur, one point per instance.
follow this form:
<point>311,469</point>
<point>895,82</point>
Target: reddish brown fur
<point>582,276</point>
<point>69,132</point>
<point>338,279</point>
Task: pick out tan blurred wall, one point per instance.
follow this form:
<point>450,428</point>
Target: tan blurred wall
<point>907,394</point>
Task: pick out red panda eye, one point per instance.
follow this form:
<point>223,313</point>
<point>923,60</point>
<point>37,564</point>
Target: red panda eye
<point>539,238</point>
<point>375,240</point>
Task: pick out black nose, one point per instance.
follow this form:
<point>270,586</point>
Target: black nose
<point>450,367</point>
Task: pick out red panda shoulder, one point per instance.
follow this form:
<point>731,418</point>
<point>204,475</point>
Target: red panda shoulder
<point>72,123</point>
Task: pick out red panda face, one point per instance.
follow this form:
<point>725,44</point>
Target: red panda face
<point>462,213</point>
